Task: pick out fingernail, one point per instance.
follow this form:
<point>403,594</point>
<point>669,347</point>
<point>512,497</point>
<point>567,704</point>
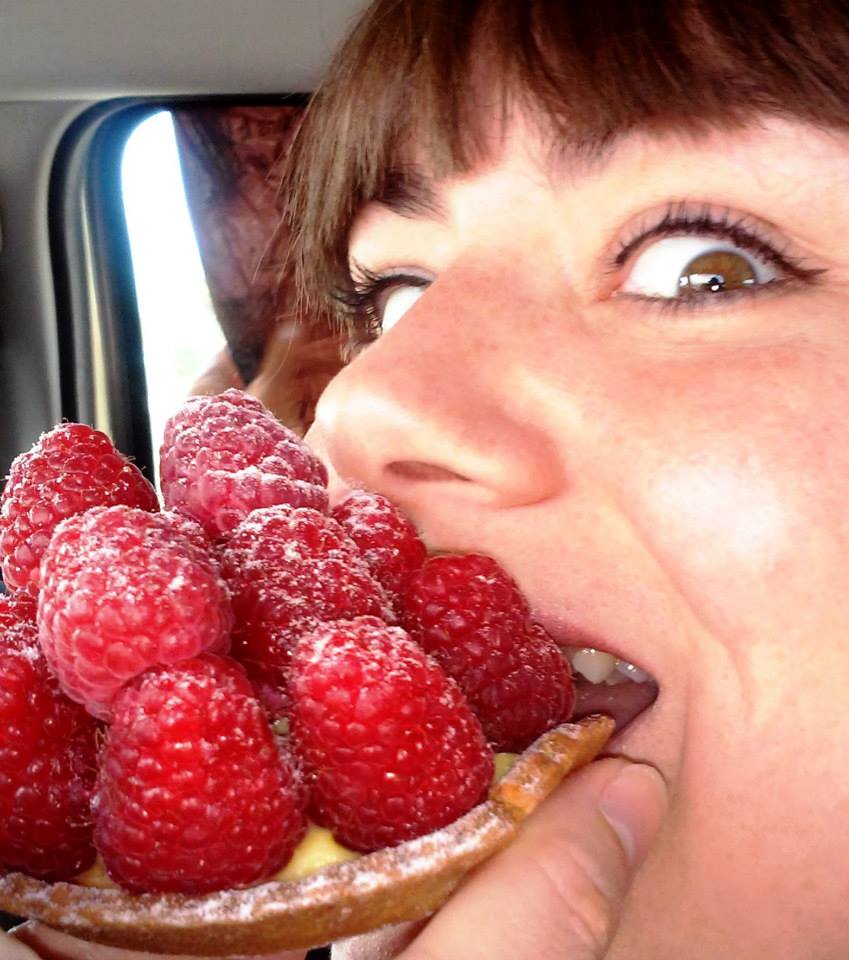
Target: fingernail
<point>634,803</point>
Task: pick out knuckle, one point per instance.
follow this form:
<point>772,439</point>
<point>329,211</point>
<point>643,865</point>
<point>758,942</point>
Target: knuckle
<point>587,913</point>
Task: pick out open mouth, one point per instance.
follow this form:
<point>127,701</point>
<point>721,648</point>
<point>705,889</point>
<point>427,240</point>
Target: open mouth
<point>606,684</point>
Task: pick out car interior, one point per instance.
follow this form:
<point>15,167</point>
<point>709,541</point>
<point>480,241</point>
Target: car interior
<point>139,211</point>
<point>89,329</point>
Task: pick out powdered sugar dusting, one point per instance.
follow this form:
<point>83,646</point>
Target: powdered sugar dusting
<point>226,455</point>
<point>92,908</point>
<point>392,885</point>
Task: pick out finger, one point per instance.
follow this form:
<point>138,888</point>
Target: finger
<point>12,950</point>
<point>379,945</point>
<point>557,891</point>
<point>50,944</point>
<point>218,377</point>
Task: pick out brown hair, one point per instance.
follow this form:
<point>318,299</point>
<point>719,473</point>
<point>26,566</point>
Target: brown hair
<point>590,70</point>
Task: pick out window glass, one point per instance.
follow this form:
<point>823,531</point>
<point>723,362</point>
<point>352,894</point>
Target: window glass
<point>201,185</point>
<point>180,332</point>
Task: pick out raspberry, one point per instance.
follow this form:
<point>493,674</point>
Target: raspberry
<point>15,608</point>
<point>69,470</point>
<point>390,743</point>
<point>47,765</point>
<point>386,538</point>
<point>122,590</point>
<point>226,455</point>
<point>288,570</point>
<point>194,794</point>
<point>469,614</point>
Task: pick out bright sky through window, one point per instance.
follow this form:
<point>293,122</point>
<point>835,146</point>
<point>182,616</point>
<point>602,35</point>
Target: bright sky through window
<point>180,333</point>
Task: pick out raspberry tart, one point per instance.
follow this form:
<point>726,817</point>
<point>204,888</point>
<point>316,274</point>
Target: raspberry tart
<point>255,723</point>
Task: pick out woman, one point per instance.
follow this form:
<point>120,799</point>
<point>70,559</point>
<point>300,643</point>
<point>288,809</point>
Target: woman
<point>601,249</point>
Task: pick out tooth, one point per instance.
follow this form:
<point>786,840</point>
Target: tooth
<point>631,672</point>
<point>595,665</point>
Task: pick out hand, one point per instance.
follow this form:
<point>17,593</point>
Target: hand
<point>219,376</point>
<point>297,365</point>
<point>43,943</point>
<point>11,950</point>
<point>556,891</point>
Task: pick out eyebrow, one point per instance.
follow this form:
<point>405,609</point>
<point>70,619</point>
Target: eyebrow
<point>410,192</point>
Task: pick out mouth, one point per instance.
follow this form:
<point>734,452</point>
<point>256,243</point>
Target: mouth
<point>604,681</point>
<point>607,684</point>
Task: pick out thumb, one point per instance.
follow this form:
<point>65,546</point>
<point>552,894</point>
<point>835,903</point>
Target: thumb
<point>558,889</point>
<point>11,950</point>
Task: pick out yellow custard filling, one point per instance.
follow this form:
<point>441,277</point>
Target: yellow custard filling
<point>317,850</point>
<point>503,763</point>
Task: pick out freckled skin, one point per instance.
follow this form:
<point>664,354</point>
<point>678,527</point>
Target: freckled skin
<point>671,483</point>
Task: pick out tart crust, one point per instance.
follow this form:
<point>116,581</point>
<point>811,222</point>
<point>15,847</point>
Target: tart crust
<point>390,886</point>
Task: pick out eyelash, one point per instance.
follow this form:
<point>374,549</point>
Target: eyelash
<point>679,220</point>
<point>359,299</point>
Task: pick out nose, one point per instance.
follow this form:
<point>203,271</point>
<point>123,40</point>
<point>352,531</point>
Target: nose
<point>441,404</point>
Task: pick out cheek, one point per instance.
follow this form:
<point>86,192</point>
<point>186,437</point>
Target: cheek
<point>743,496</point>
<point>725,514</point>
<point>728,539</point>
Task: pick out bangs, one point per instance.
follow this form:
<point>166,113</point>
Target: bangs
<point>432,73</point>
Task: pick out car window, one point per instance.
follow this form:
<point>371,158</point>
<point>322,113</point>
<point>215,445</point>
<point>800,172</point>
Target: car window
<point>203,214</point>
<point>179,330</point>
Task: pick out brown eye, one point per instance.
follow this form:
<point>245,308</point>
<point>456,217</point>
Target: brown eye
<point>689,267</point>
<point>718,271</point>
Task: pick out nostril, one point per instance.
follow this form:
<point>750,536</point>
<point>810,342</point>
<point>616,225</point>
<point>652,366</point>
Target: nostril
<point>420,470</point>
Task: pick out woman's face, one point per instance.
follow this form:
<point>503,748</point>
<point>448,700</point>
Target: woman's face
<point>662,464</point>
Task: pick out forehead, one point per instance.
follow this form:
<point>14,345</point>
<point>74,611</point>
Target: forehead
<point>790,175</point>
<point>416,176</point>
<point>774,152</point>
